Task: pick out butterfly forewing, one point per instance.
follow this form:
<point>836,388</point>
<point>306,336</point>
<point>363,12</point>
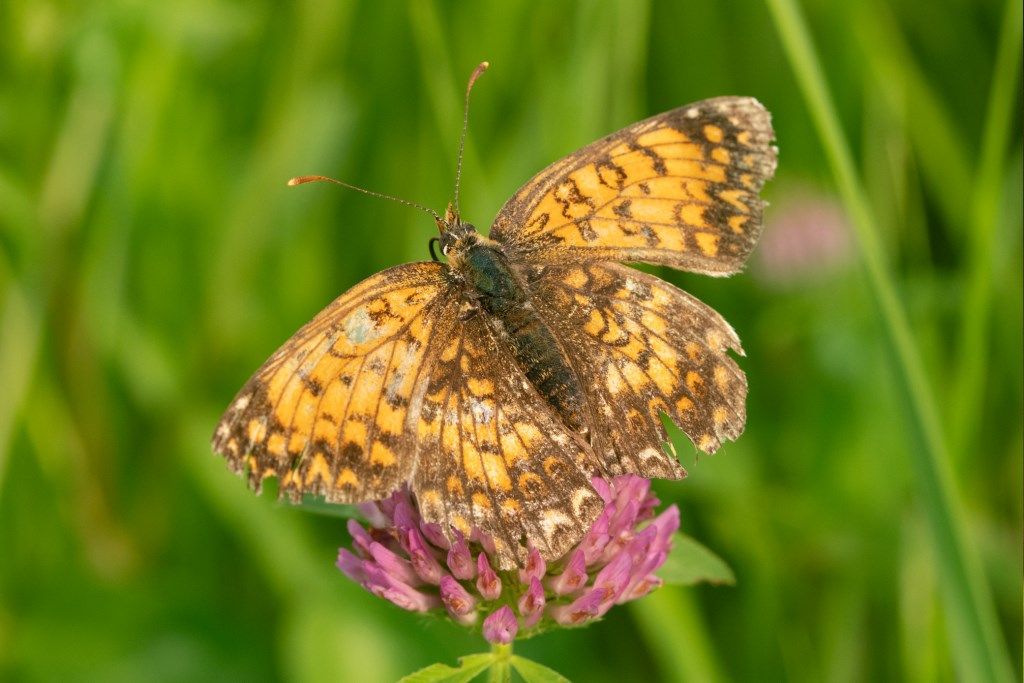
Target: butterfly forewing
<point>329,412</point>
<point>679,189</point>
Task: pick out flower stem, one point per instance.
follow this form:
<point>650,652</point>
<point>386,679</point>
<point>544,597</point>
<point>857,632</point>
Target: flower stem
<point>501,669</point>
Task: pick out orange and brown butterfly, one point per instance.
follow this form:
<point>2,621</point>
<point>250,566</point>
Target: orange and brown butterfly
<point>496,382</point>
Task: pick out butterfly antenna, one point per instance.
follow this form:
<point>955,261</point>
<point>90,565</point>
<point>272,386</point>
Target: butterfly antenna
<point>481,67</point>
<point>303,179</point>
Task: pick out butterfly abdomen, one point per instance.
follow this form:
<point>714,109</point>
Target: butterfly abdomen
<point>504,299</point>
<point>538,354</point>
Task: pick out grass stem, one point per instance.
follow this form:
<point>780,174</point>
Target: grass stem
<point>983,239</point>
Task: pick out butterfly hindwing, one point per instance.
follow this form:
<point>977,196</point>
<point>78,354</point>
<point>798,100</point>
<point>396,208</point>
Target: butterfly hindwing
<point>329,412</point>
<point>494,457</point>
<point>646,348</point>
<point>679,189</point>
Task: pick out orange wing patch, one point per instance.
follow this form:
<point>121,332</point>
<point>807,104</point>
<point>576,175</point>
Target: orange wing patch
<point>679,189</point>
<point>328,412</point>
<point>493,456</point>
<point>645,348</point>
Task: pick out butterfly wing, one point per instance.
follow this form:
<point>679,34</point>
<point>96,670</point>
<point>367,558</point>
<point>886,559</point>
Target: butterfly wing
<point>332,412</point>
<point>648,348</point>
<point>493,455</point>
<point>679,189</point>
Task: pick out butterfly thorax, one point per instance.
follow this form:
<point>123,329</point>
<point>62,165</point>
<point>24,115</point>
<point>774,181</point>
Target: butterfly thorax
<point>493,288</point>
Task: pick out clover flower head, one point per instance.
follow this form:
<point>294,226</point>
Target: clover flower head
<point>399,557</point>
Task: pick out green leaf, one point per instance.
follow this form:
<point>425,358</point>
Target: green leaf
<point>469,668</point>
<point>691,563</point>
<point>532,672</point>
<point>319,506</point>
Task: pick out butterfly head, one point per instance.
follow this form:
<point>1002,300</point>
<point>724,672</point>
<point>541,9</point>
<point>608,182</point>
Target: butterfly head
<point>457,236</point>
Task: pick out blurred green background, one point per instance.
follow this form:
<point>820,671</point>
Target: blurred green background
<point>151,257</point>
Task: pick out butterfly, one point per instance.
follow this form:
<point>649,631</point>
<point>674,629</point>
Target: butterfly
<point>497,380</point>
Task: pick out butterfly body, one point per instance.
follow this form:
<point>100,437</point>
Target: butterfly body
<point>496,384</point>
<point>496,291</point>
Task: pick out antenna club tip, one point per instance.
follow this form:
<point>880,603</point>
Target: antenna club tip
<point>480,68</point>
<point>303,179</point>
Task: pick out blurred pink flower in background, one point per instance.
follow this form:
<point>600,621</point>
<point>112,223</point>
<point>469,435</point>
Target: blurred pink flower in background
<point>399,557</point>
<point>806,237</point>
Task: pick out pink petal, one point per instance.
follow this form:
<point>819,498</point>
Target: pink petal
<point>432,532</point>
<point>501,626</point>
<point>487,581</point>
<point>351,566</point>
<point>584,608</point>
<point>383,585</point>
<point>460,561</point>
<point>640,589</point>
<point>573,577</point>
<point>624,519</point>
<point>456,599</point>
<point>393,564</point>
<point>603,489</point>
<point>361,539</point>
<point>667,523</point>
<point>613,579</point>
<point>483,539</point>
<point>535,566</point>
<point>531,604</point>
<point>630,487</point>
<point>374,515</point>
<point>594,542</point>
<point>422,558</point>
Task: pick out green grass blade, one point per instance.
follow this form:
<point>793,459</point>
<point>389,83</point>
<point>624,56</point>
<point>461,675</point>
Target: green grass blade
<point>984,230</point>
<point>944,160</point>
<point>979,651</point>
<point>21,329</point>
